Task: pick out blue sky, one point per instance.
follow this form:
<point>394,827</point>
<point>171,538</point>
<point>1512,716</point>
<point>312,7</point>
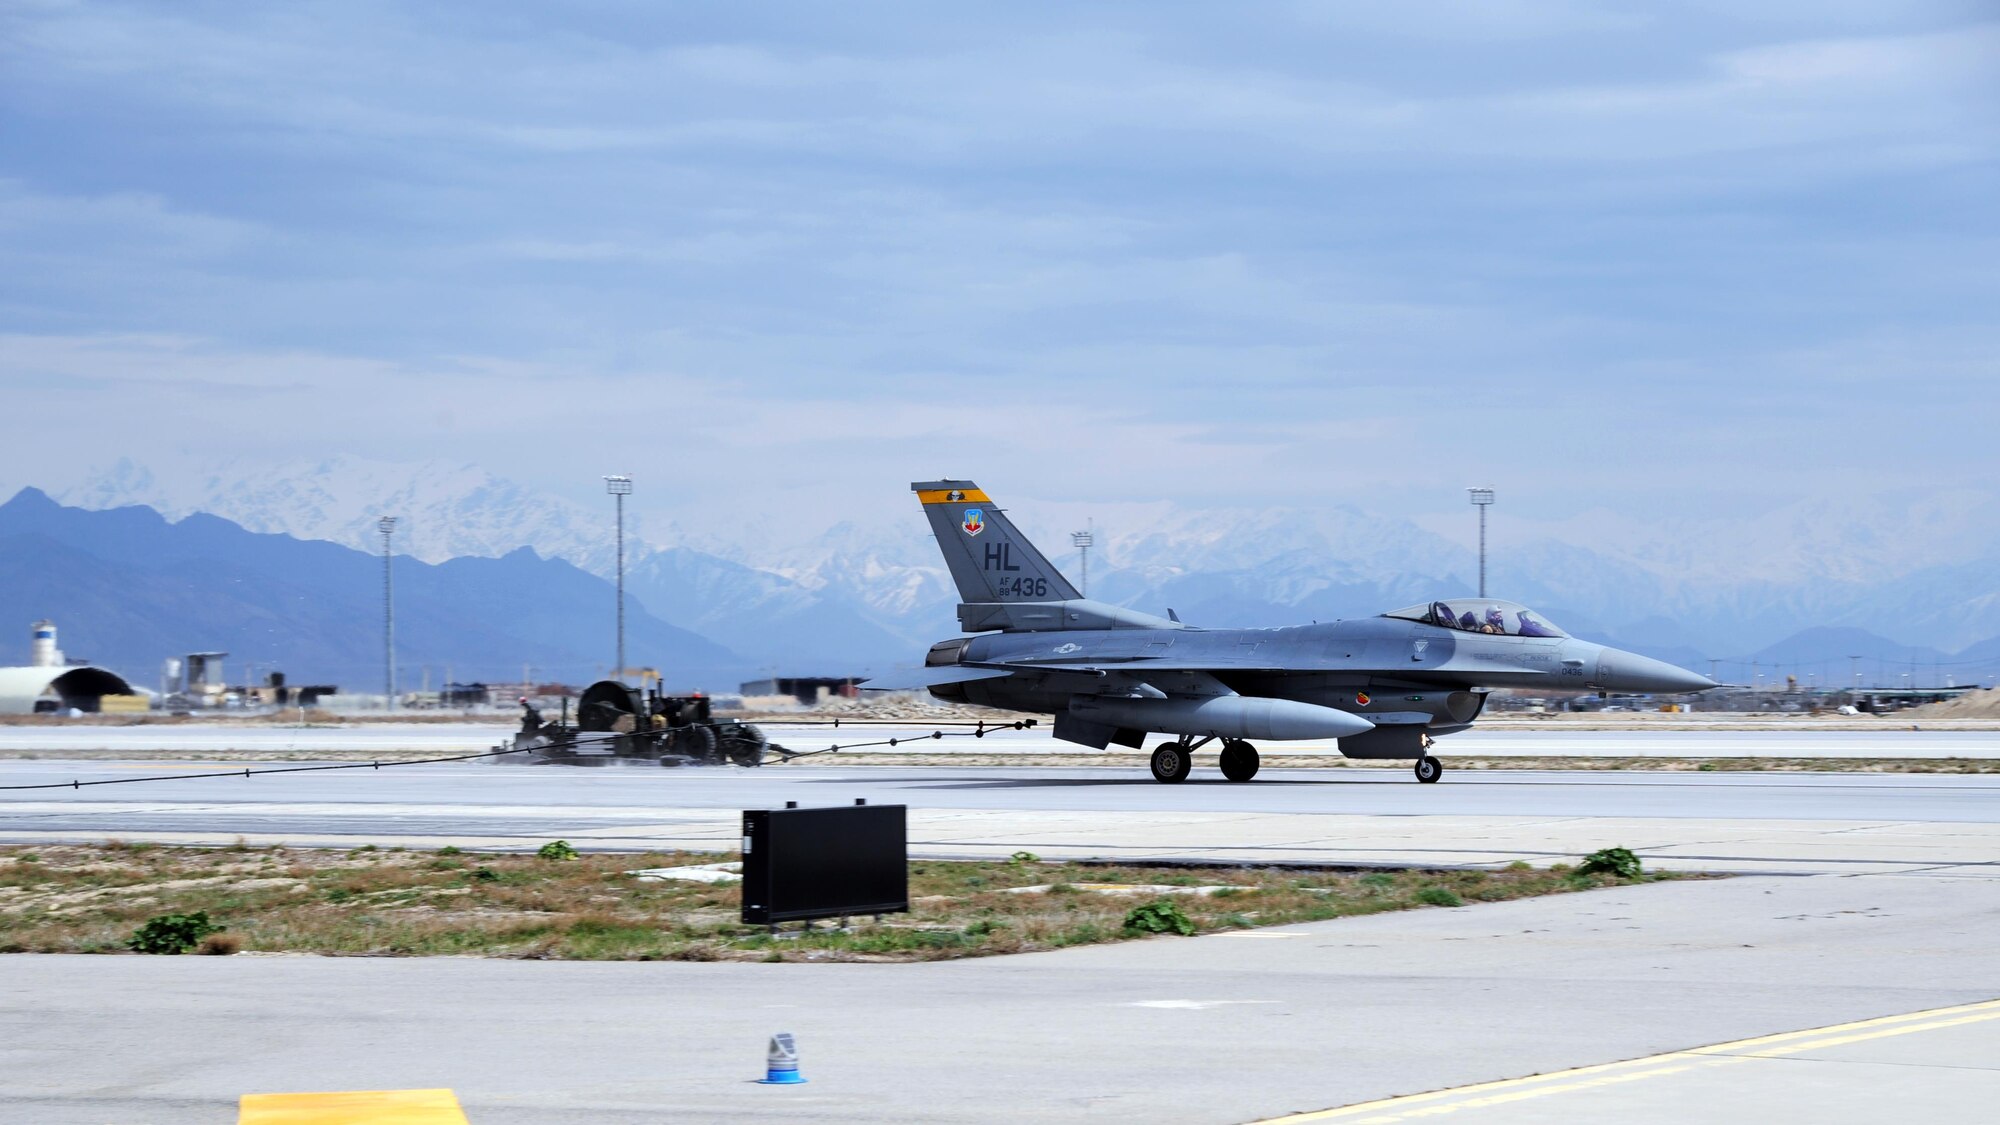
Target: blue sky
<point>1733,255</point>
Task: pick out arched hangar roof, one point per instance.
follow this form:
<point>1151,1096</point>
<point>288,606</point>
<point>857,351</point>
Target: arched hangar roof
<point>20,688</point>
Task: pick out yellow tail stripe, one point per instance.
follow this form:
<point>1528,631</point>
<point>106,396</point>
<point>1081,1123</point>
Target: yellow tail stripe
<point>352,1107</point>
<point>952,496</point>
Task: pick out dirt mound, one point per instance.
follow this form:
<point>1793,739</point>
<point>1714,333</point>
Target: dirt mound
<point>1971,705</point>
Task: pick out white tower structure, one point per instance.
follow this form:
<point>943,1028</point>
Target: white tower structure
<point>620,487</point>
<point>1083,541</point>
<point>44,653</point>
<point>1482,498</point>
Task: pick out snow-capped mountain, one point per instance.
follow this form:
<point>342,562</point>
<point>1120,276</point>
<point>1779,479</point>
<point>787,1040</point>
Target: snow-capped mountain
<point>444,511</point>
<point>1924,569</point>
<point>138,588</point>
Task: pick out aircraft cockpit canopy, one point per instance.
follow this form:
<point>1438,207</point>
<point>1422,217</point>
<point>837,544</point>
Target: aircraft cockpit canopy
<point>1482,615</point>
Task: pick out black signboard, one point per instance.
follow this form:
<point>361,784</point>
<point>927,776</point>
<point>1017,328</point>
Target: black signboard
<point>824,863</point>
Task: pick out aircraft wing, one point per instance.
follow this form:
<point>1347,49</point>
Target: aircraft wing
<point>913,679</point>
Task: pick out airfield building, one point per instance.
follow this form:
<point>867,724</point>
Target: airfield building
<point>49,684</point>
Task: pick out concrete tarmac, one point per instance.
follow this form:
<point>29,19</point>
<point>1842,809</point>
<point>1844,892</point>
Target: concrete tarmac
<point>1893,740</point>
<point>1886,911</point>
<point>1232,1027</point>
<point>1775,822</point>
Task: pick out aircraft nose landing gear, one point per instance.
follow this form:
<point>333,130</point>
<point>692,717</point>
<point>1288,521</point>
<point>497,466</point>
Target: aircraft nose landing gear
<point>1429,769</point>
<point>1239,760</point>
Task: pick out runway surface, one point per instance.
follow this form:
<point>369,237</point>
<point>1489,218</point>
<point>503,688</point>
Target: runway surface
<point>1896,740</point>
<point>473,789</point>
<point>1224,1028</point>
<point>1732,821</point>
<point>1891,921</point>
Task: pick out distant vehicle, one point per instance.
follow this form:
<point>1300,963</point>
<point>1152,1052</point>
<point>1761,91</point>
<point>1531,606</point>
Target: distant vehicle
<point>616,722</point>
<point>1385,687</point>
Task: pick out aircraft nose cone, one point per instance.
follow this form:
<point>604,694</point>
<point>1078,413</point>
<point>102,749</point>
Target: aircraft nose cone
<point>1630,672</point>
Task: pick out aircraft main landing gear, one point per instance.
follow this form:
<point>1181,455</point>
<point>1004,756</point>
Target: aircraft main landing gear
<point>1429,769</point>
<point>1239,760</point>
<point>1171,762</point>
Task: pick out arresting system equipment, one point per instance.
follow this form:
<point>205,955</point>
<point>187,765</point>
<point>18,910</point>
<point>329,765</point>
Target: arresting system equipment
<point>618,723</point>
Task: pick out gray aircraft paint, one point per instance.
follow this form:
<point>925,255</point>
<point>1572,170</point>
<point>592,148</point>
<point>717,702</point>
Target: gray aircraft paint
<point>1383,685</point>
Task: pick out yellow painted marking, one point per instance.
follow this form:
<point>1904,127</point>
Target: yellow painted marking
<point>352,1107</point>
<point>943,496</point>
<point>1885,1033</point>
<point>1385,1111</point>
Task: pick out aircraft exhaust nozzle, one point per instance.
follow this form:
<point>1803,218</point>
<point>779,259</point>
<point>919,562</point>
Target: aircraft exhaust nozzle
<point>1223,716</point>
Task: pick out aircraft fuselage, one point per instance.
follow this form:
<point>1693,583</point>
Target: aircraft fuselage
<point>1376,667</point>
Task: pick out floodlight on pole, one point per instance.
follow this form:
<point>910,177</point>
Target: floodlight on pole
<point>387,526</point>
<point>1482,498</point>
<point>620,487</point>
<point>1082,541</point>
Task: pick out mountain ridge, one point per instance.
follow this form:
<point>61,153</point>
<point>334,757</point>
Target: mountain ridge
<point>1927,571</point>
<point>131,588</point>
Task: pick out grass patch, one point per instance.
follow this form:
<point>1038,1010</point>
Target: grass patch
<point>64,899</point>
<point>1439,896</point>
<point>1162,917</point>
<point>1611,861</point>
<point>171,933</point>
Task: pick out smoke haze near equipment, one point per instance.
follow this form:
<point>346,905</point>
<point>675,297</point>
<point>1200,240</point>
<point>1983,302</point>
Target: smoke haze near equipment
<point>1711,263</point>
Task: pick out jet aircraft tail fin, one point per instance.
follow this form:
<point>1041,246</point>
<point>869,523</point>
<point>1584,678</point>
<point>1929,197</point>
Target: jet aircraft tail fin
<point>990,560</point>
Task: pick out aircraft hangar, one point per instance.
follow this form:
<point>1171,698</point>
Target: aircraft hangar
<point>36,689</point>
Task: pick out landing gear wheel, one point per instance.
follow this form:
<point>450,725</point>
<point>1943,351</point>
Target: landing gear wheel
<point>1239,760</point>
<point>745,746</point>
<point>1429,769</point>
<point>1171,763</point>
<point>695,742</point>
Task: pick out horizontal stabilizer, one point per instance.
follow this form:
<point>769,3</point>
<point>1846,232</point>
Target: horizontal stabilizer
<point>916,679</point>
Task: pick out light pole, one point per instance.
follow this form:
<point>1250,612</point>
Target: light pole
<point>1082,540</point>
<point>620,487</point>
<point>1482,498</point>
<point>387,526</point>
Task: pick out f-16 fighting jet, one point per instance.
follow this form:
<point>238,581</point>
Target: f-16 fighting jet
<point>1385,687</point>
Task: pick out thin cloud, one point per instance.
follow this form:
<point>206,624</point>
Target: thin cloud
<point>1364,251</point>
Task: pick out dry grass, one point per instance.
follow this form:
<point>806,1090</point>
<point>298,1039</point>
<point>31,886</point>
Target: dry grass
<point>219,945</point>
<point>402,903</point>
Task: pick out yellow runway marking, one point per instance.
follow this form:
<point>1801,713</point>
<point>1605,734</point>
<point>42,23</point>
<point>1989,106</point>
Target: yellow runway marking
<point>1439,1102</point>
<point>352,1107</point>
